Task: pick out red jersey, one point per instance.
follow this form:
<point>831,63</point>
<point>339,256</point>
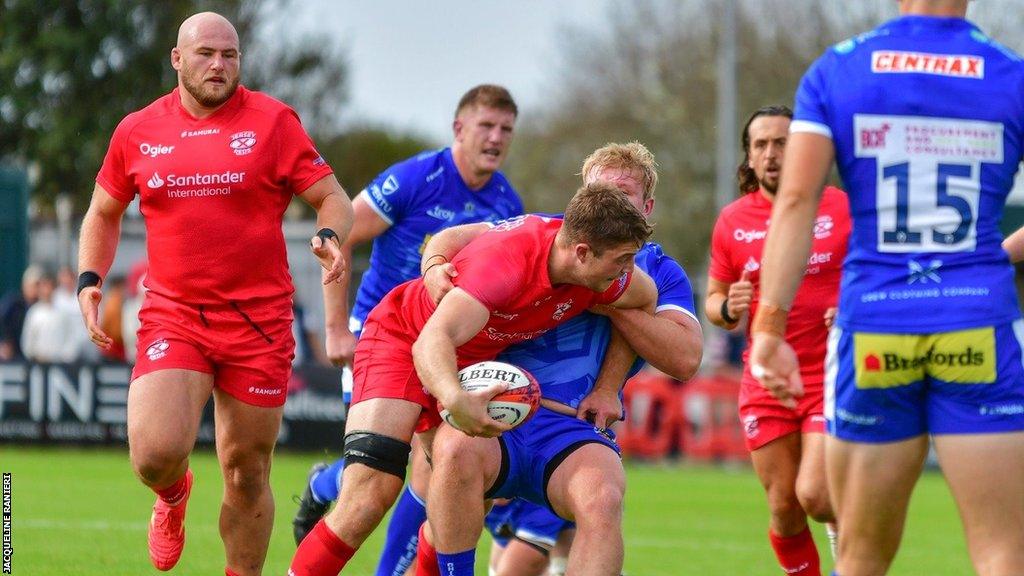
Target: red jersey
<point>737,243</point>
<point>506,270</point>
<point>213,192</point>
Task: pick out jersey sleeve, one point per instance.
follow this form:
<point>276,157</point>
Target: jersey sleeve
<point>299,163</point>
<point>492,277</point>
<point>616,290</point>
<point>392,193</point>
<point>674,289</point>
<point>113,175</point>
<point>721,267</point>
<point>810,113</point>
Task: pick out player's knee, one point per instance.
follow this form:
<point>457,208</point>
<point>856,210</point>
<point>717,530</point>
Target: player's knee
<point>785,507</point>
<point>379,452</point>
<point>816,504</point>
<point>154,464</point>
<point>600,504</point>
<point>245,476</point>
<point>456,453</point>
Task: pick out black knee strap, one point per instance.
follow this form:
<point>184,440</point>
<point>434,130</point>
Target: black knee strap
<point>378,452</point>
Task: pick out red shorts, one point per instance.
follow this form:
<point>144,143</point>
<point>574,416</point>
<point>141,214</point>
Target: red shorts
<point>383,368</point>
<point>765,420</point>
<point>248,348</point>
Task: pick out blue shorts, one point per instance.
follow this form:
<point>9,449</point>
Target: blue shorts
<point>890,387</point>
<point>526,521</point>
<point>531,452</point>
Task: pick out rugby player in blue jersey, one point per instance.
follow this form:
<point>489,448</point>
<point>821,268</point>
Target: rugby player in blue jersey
<point>924,117</point>
<point>565,457</point>
<point>399,212</point>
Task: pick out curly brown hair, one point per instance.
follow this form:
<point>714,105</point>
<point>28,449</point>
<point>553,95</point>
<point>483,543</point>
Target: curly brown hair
<point>744,173</point>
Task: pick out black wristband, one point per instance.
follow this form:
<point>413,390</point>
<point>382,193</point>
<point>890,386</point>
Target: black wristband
<point>87,279</point>
<point>725,313</point>
<point>326,234</point>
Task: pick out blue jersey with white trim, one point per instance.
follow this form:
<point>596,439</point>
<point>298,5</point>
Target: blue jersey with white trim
<point>419,197</point>
<point>566,360</point>
<point>927,118</point>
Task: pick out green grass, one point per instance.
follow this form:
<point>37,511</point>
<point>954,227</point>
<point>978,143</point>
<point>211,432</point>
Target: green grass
<point>82,512</point>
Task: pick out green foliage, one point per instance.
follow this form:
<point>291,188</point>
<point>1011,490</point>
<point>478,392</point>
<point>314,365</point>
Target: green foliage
<point>650,74</point>
<point>70,71</point>
<point>358,155</point>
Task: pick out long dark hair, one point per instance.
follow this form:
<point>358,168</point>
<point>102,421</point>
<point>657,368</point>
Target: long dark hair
<point>744,173</point>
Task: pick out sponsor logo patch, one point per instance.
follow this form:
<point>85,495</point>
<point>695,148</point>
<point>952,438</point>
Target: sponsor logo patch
<point>158,349</point>
<point>241,143</point>
<point>890,360</point>
<point>898,61</point>
<point>154,150</point>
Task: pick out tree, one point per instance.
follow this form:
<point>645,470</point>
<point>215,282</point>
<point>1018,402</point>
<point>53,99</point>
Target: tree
<point>649,75</point>
<point>71,70</point>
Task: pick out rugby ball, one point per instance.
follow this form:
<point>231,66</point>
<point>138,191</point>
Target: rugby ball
<point>513,406</point>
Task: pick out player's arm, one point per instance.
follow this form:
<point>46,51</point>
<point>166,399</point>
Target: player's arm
<point>1014,245</point>
<point>456,320</point>
<point>727,303</point>
<point>671,341</point>
<point>333,213</point>
<point>97,244</point>
<point>784,260</point>
<point>340,343</point>
<point>602,406</point>
<point>641,293</point>
<point>436,267</point>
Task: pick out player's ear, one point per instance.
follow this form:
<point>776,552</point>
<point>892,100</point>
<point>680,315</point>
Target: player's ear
<point>457,126</point>
<point>581,251</point>
<point>176,58</point>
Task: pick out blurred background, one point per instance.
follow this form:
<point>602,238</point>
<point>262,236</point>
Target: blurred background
<point>376,81</point>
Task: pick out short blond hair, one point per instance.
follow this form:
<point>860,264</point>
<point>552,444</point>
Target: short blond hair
<point>634,157</point>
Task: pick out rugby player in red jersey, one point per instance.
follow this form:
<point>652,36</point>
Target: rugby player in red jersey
<point>515,282</point>
<point>215,165</point>
<point>786,440</point>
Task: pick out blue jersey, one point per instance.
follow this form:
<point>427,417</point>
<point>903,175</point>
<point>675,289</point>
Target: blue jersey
<point>566,360</point>
<point>927,118</point>
<point>419,197</point>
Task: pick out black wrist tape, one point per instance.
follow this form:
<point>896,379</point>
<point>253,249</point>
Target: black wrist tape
<point>725,313</point>
<point>326,234</point>
<point>87,279</point>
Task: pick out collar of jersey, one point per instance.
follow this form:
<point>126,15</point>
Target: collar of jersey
<point>938,22</point>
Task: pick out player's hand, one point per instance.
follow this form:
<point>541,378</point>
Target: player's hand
<point>467,411</point>
<point>830,317</point>
<point>340,346</point>
<point>89,303</point>
<point>329,255</point>
<point>438,280</point>
<point>600,408</point>
<point>774,363</point>
<point>741,292</point>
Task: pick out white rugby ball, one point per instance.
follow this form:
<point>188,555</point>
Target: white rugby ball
<point>513,406</point>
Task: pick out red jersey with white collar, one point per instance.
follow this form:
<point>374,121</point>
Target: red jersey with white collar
<point>213,192</point>
<point>506,270</point>
<point>737,243</point>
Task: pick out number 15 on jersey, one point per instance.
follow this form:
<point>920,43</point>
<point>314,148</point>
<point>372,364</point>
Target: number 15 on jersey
<point>929,171</point>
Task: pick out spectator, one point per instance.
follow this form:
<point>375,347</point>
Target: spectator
<point>44,337</point>
<point>13,309</point>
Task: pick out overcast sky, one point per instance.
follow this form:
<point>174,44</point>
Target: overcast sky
<point>411,60</point>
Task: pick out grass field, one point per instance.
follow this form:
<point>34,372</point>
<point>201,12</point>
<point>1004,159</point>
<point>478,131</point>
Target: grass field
<point>82,512</point>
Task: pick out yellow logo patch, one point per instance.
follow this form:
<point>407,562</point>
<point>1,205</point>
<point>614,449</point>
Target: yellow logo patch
<point>889,360</point>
